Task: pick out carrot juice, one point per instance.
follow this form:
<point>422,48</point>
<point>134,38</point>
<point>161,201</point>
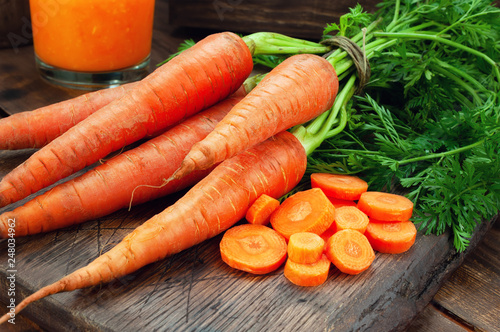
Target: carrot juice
<point>92,36</point>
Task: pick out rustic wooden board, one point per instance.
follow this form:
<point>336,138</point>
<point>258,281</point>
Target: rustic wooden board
<point>194,290</point>
<point>472,293</point>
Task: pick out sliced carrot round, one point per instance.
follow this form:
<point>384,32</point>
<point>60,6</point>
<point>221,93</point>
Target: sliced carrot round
<point>385,206</point>
<point>346,187</point>
<point>391,238</point>
<point>253,248</point>
<point>305,247</point>
<point>306,211</point>
<point>260,211</point>
<point>337,202</point>
<point>351,217</point>
<point>349,251</point>
<point>313,274</point>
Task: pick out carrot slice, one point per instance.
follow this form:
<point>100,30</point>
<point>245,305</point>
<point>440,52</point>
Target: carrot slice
<point>385,207</point>
<point>306,211</point>
<point>307,274</point>
<point>351,217</point>
<point>260,211</point>
<point>305,247</point>
<point>337,202</point>
<point>391,238</point>
<point>253,248</point>
<point>347,187</point>
<point>349,251</point>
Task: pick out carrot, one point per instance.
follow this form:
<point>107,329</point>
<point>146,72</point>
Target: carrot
<point>305,211</point>
<point>350,217</point>
<point>349,251</point>
<point>346,187</point>
<point>210,207</point>
<point>385,206</point>
<point>296,91</point>
<point>197,78</point>
<point>253,248</point>
<point>329,232</point>
<point>391,238</point>
<point>261,210</point>
<point>305,247</point>
<point>134,176</point>
<point>35,129</point>
<point>337,202</point>
<point>313,274</point>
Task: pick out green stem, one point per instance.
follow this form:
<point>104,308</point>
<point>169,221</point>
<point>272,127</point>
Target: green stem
<point>275,43</point>
<point>441,154</point>
<point>310,141</point>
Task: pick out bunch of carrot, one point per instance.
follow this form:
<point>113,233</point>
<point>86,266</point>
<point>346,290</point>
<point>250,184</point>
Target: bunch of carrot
<point>336,221</point>
<point>260,156</point>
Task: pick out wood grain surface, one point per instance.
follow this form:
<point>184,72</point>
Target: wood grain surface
<point>194,290</point>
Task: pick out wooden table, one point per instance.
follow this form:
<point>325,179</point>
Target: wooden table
<point>196,291</point>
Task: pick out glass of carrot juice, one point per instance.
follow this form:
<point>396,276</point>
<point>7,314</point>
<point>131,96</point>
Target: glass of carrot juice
<point>92,44</point>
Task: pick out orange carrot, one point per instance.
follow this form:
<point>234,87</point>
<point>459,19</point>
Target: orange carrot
<point>210,207</point>
<point>296,91</point>
<point>305,211</point>
<point>305,247</point>
<point>350,217</point>
<point>347,187</point>
<point>313,274</point>
<point>349,251</point>
<point>385,207</point>
<point>253,248</point>
<point>329,232</point>
<point>35,129</point>
<point>135,176</point>
<point>391,238</point>
<point>337,202</point>
<point>199,77</point>
<point>261,210</point>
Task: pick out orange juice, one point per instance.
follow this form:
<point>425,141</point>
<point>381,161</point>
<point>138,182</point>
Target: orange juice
<point>92,35</point>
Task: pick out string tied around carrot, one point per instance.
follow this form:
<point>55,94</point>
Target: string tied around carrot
<point>357,54</point>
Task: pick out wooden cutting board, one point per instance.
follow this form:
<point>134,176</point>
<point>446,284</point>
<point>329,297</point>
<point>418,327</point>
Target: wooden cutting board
<point>194,290</point>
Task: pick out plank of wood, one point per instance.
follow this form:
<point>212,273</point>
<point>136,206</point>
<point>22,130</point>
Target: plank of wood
<point>432,319</point>
<point>472,293</point>
<point>196,290</point>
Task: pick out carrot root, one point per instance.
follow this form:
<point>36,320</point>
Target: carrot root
<point>199,77</point>
<point>213,205</point>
